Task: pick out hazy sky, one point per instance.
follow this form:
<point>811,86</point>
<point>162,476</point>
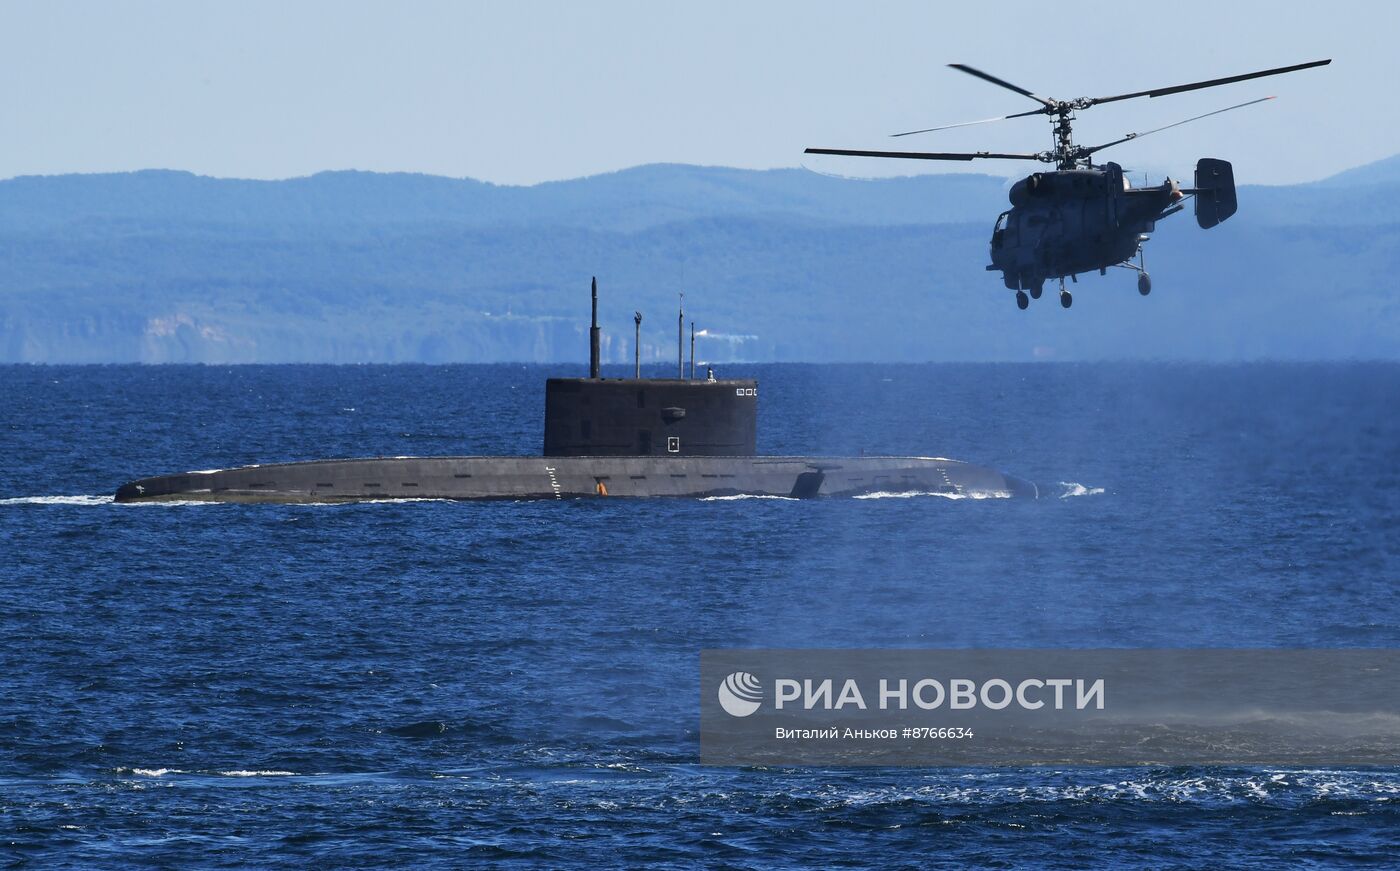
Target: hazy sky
<point>523,92</point>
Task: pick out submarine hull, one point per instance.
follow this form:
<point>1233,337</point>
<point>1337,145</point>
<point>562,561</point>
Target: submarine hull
<point>485,478</point>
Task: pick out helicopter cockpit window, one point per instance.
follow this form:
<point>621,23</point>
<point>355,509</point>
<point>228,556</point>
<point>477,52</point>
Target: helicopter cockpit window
<point>999,231</point>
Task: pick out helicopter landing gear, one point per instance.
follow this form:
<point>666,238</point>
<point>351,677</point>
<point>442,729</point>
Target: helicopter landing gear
<point>1035,291</point>
<point>1022,301</point>
<point>1066,298</point>
<point>1140,267</point>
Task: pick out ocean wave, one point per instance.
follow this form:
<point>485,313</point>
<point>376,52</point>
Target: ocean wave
<point>1261,787</point>
<point>171,503</point>
<point>93,499</point>
<point>1084,786</point>
<point>57,500</point>
<point>240,772</point>
<point>1072,489</point>
<point>149,772</point>
<point>262,773</point>
<point>910,494</point>
<point>878,494</point>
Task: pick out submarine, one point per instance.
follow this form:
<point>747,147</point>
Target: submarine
<point>603,438</point>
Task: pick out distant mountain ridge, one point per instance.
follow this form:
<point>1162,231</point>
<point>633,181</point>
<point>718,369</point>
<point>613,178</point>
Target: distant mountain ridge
<point>629,199</point>
<point>1379,172</point>
<point>350,267</point>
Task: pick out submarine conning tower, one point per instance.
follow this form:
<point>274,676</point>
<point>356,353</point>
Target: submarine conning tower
<point>630,417</point>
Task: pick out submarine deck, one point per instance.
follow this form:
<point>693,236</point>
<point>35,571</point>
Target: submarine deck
<point>485,478</point>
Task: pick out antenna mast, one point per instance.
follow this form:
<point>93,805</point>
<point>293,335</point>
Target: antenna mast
<point>593,361</point>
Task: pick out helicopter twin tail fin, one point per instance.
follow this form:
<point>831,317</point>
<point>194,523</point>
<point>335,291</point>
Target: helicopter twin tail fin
<point>1215,192</point>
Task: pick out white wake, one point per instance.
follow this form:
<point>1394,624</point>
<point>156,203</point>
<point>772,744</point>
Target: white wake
<point>96,500</point>
<point>58,500</point>
<point>910,494</point>
<point>1073,489</point>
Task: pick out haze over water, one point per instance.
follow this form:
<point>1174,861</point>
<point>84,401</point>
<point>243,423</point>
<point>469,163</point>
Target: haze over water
<point>434,683</point>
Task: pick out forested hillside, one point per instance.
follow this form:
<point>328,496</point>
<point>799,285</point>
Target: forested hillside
<point>784,265</point>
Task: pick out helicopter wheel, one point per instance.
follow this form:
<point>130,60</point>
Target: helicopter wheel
<point>1144,283</point>
<point>1022,301</point>
<point>1066,298</point>
<point>1035,291</point>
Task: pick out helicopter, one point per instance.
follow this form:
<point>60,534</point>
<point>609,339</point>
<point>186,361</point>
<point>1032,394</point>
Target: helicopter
<point>1080,217</point>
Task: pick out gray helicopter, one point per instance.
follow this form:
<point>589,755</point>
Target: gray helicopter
<point>1080,217</point>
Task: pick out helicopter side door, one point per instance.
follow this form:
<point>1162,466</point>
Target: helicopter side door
<point>1040,226</point>
<point>1115,193</point>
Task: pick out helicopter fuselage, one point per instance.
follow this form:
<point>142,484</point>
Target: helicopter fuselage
<point>1065,222</point>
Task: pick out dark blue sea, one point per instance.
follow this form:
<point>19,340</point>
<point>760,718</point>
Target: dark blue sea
<point>434,684</point>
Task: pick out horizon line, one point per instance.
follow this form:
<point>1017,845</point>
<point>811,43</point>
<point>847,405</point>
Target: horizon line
<point>640,166</point>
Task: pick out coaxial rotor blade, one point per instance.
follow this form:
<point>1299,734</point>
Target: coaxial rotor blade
<point>928,155</point>
<point>1162,92</point>
<point>1088,151</point>
<point>970,123</point>
<point>988,77</point>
